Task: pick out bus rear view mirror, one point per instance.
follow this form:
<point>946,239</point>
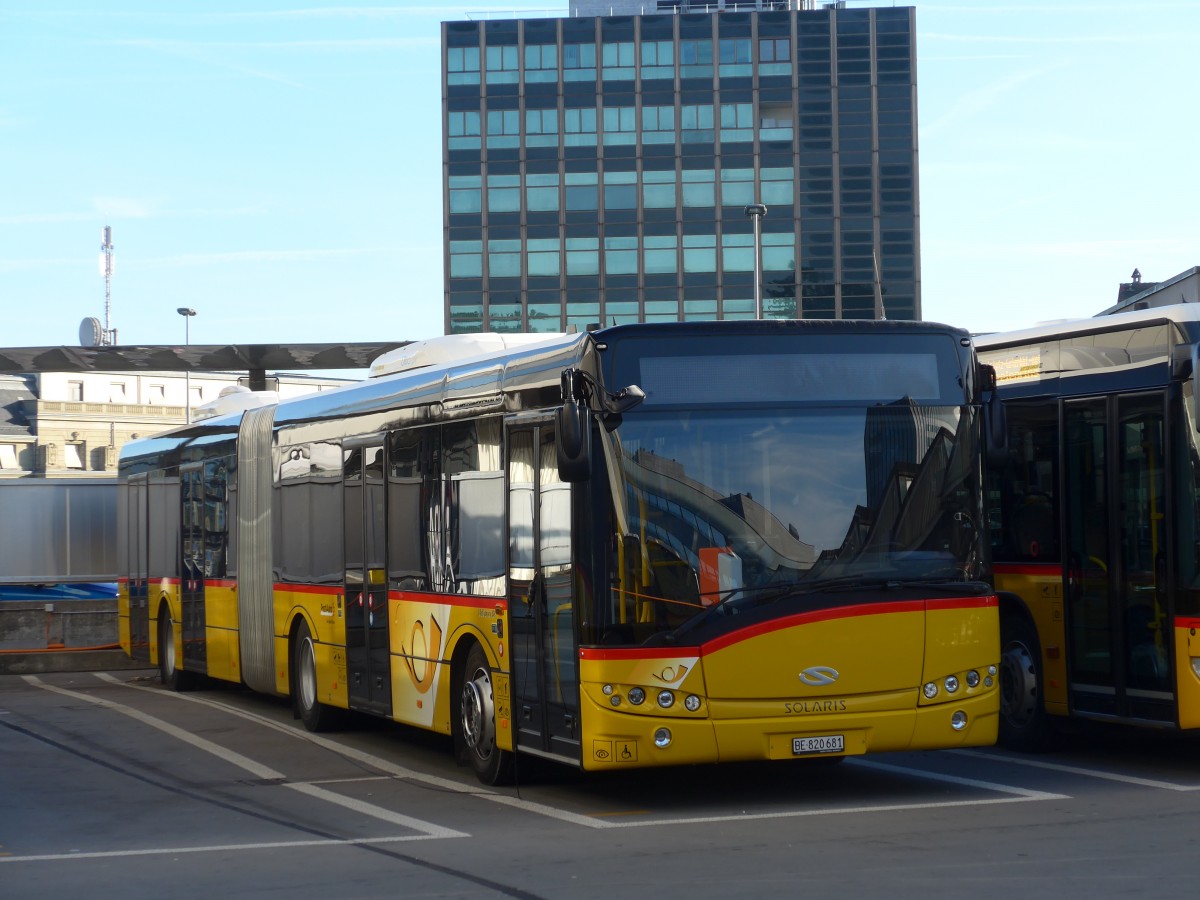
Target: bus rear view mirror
<point>574,441</point>
<point>995,422</point>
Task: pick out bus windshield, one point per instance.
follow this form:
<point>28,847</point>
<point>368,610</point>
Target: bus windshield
<point>727,503</point>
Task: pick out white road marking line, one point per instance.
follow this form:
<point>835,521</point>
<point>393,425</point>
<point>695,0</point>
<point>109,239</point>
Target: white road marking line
<point>1086,773</point>
<point>257,769</point>
<point>376,762</point>
<point>215,848</point>
<point>1020,795</point>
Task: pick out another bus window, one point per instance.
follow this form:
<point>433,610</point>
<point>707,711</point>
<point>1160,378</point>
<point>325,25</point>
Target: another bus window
<point>1022,499</point>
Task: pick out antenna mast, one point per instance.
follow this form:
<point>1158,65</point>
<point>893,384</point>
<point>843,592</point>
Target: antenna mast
<point>109,335</point>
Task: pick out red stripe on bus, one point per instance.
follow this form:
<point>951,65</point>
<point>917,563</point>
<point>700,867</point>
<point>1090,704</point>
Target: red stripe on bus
<point>1187,622</point>
<point>823,615</point>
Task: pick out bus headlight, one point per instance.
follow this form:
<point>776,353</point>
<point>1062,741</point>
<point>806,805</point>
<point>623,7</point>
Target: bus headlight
<point>637,696</point>
<point>931,690</point>
<point>666,699</point>
<point>691,703</point>
<point>662,738</point>
<point>972,679</point>
<point>958,721</point>
<point>951,684</point>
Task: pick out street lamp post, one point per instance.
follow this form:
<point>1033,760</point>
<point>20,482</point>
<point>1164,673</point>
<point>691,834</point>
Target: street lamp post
<point>756,211</point>
<point>187,314</point>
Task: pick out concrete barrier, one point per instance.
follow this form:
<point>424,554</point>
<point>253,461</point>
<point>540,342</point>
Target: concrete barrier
<point>60,636</point>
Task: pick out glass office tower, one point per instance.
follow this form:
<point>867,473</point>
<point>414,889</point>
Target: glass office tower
<point>598,169</point>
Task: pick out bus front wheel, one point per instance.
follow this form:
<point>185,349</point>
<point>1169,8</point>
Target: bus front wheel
<point>476,722</point>
<point>315,715</point>
<point>1023,722</point>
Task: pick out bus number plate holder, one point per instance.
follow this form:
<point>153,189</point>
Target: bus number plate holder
<point>822,743</point>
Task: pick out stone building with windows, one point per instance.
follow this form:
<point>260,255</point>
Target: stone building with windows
<point>73,424</point>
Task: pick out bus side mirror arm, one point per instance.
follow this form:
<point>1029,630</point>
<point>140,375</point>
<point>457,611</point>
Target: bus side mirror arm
<point>995,422</point>
<point>573,424</point>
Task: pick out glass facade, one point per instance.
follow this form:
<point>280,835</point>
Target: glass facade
<point>597,169</point>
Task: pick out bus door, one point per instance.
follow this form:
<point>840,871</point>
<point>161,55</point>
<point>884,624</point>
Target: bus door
<point>367,651</point>
<point>192,570</point>
<point>541,599</point>
<point>137,550</point>
<point>1116,573</point>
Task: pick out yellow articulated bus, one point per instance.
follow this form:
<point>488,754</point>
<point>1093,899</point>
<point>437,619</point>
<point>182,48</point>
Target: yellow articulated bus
<point>1095,522</point>
<point>647,545</point>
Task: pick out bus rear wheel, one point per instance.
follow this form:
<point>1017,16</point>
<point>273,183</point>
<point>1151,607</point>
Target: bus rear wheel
<point>315,715</point>
<point>1023,722</point>
<point>168,665</point>
<point>476,722</point>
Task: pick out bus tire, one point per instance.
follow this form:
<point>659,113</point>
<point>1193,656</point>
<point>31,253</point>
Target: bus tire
<point>476,722</point>
<point>315,715</point>
<point>169,672</point>
<point>1024,725</point>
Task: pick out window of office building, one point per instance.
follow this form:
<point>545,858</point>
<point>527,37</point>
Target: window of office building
<point>699,188</point>
<point>502,65</point>
<point>503,128</point>
<point>504,193</point>
<point>660,254</point>
<point>734,57</point>
<point>620,190</point>
<point>504,259</point>
<point>775,121</point>
<point>466,259</point>
<point>778,252</point>
<point>699,253</point>
<point>462,65</point>
<point>620,125</point>
<point>774,56</point>
<point>579,62</point>
<point>737,187</point>
<point>776,186</point>
<point>658,190</point>
<point>543,257</point>
<point>462,129</point>
<point>541,127</point>
<point>618,61</point>
<point>620,256</point>
<point>696,58</point>
<point>737,122</point>
<point>466,194</point>
<point>737,252</point>
<point>579,127</point>
<point>658,60</point>
<point>541,192</point>
<point>541,63</point>
<point>658,124</point>
<point>696,123</point>
<point>581,190</point>
<point>583,256</point>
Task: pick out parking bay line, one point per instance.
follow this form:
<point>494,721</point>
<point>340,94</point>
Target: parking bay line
<point>257,769</point>
<point>1016,794</point>
<point>1079,770</point>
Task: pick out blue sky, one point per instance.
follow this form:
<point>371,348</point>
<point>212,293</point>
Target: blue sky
<point>277,165</point>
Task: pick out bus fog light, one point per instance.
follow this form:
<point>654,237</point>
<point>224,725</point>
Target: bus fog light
<point>958,721</point>
<point>691,703</point>
<point>615,700</point>
<point>972,679</point>
<point>662,738</point>
<point>666,699</point>
<point>608,689</point>
<point>951,684</point>
<point>637,696</point>
<point>991,670</point>
<point>987,682</point>
<point>931,690</point>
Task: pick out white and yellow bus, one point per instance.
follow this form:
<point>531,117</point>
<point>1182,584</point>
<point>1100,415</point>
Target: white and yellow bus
<point>643,546</point>
<point>1095,522</point>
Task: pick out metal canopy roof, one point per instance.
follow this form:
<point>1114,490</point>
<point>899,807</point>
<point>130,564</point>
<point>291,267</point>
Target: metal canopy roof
<point>254,358</point>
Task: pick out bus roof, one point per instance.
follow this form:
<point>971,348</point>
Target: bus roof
<point>1180,313</point>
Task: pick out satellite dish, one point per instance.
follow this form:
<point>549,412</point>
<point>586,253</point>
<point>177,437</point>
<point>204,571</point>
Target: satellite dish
<point>90,332</point>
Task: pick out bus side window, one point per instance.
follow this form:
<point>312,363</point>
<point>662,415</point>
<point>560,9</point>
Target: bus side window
<point>1023,495</point>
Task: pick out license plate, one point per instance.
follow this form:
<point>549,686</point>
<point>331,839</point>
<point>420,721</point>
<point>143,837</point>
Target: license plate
<point>823,743</point>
